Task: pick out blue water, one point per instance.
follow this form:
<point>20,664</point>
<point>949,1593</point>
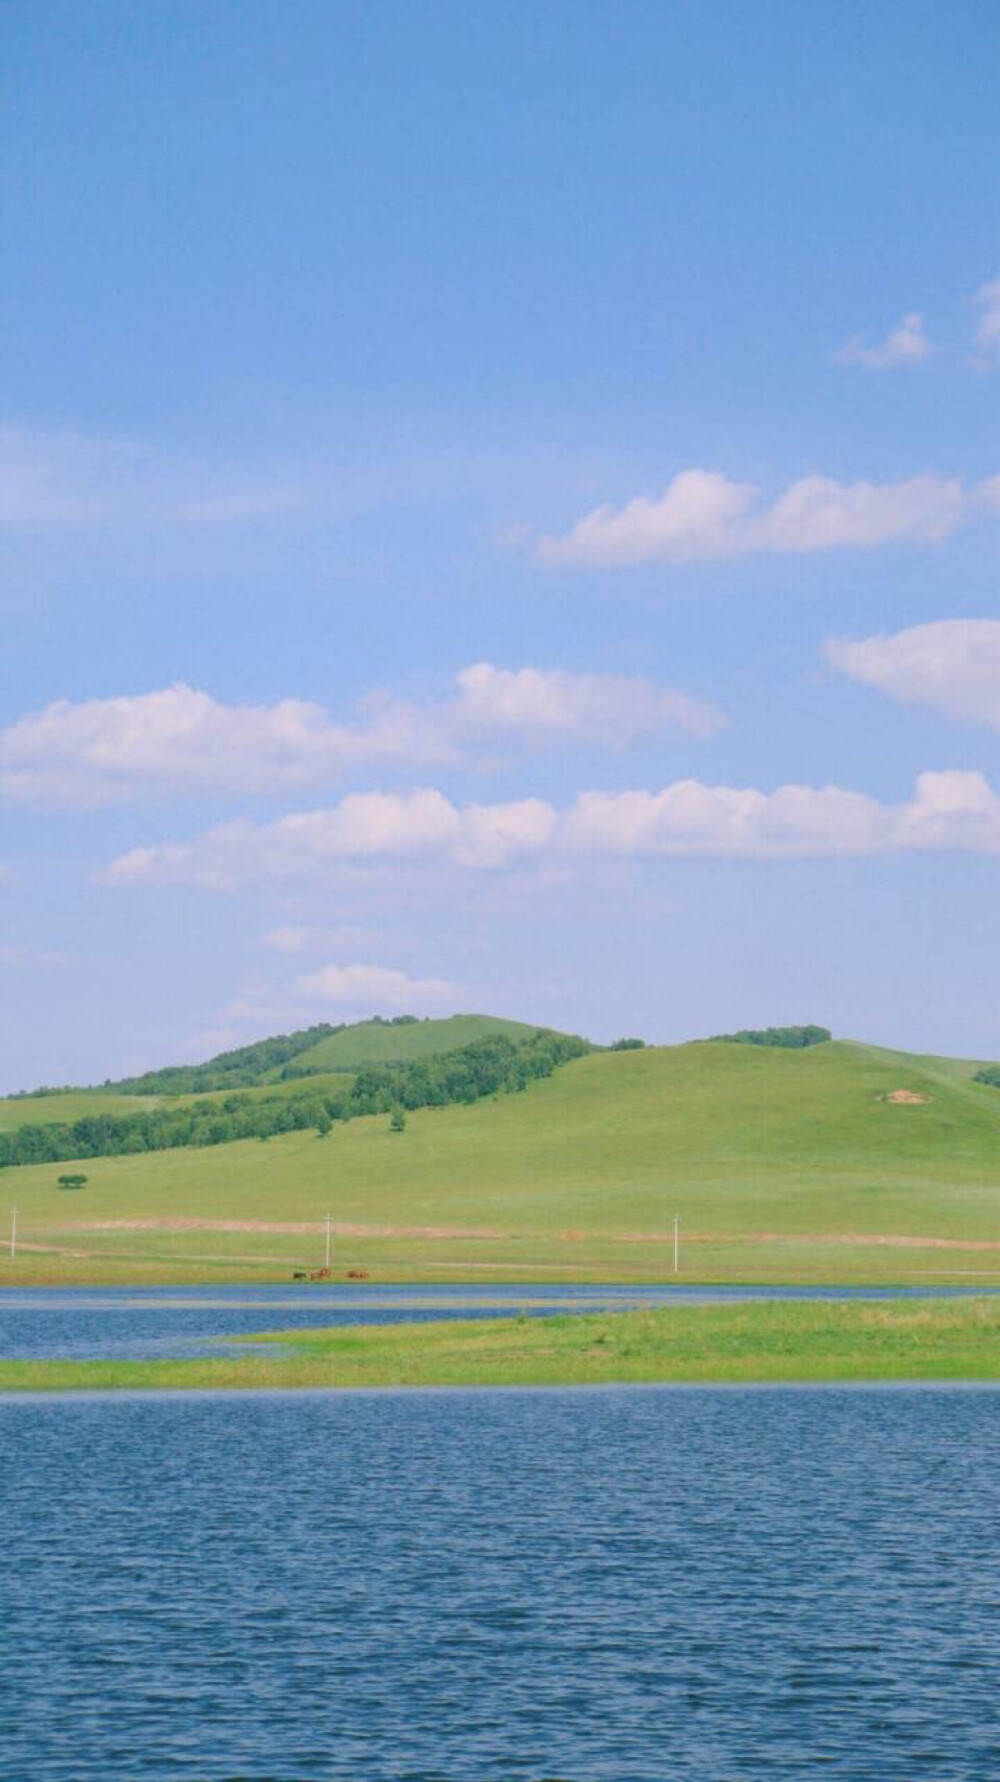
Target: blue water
<point>133,1323</point>
<point>644,1585</point>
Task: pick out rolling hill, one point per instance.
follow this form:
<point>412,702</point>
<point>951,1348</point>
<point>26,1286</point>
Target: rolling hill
<point>384,1042</point>
<point>838,1162</point>
<point>308,1061</point>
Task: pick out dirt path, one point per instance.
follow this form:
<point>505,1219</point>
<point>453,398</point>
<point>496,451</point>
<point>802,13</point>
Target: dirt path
<point>289,1228</point>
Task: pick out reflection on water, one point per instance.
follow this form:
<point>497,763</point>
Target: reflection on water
<point>648,1585</point>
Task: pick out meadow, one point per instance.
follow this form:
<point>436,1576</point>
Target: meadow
<point>383,1042</point>
<point>781,1165</point>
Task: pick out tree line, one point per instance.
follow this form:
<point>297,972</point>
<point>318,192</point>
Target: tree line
<point>242,1068</point>
<point>793,1038</point>
<point>485,1067</point>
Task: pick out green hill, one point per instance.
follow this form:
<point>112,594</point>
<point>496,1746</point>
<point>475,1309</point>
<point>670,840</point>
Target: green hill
<point>313,1060</point>
<point>782,1165</point>
<point>66,1105</point>
<point>384,1042</point>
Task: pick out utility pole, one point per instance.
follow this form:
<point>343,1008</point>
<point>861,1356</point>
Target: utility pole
<point>13,1233</point>
<point>677,1243</point>
<point>327,1240</point>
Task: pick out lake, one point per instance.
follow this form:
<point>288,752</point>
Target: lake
<point>645,1585</point>
<point>126,1323</point>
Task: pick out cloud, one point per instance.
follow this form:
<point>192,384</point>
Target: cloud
<point>951,810</point>
<point>698,515</point>
<point>364,828</point>
<point>375,987</point>
<point>182,741</point>
<point>987,301</point>
<point>906,344</point>
<point>704,515</point>
<point>953,666</point>
<point>543,704</point>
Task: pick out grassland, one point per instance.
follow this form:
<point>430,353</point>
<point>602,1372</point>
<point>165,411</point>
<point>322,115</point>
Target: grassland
<point>783,1166</point>
<point>763,1342</point>
<point>330,1062</point>
<point>68,1105</point>
<point>378,1042</point>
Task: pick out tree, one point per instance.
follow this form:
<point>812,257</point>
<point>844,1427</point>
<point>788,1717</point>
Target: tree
<point>397,1120</point>
<point>72,1181</point>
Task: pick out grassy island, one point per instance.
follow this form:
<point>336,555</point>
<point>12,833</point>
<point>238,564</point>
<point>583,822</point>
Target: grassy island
<point>768,1341</point>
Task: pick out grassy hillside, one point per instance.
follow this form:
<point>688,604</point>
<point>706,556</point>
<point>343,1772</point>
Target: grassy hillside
<point>342,1050</point>
<point>782,1166</point>
<point>67,1105</point>
<point>377,1042</point>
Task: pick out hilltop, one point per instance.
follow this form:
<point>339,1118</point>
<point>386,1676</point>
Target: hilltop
<point>783,1164</point>
<point>289,1063</point>
<point>399,1042</point>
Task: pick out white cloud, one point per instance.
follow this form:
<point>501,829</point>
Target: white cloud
<point>819,514</point>
<point>906,344</point>
<point>952,810</point>
<point>952,666</point>
<point>698,515</point>
<point>541,704</point>
<point>702,515</point>
<point>987,301</point>
<point>364,828</point>
<point>375,987</point>
<point>182,741</point>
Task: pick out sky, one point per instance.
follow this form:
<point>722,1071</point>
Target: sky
<point>499,510</point>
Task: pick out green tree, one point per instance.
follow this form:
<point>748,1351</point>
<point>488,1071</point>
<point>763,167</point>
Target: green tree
<point>397,1120</point>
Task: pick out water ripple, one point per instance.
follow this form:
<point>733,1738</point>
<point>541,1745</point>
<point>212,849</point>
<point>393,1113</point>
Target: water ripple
<point>643,1585</point>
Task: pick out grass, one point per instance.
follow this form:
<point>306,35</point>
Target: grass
<point>69,1105</point>
<point>376,1042</point>
<point>65,1106</point>
<point>784,1166</point>
<point>755,1343</point>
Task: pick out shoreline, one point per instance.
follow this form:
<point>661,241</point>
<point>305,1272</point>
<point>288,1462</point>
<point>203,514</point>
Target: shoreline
<point>145,1394</point>
<point>765,1342</point>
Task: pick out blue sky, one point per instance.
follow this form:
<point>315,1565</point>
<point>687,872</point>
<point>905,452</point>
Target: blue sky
<point>499,510</point>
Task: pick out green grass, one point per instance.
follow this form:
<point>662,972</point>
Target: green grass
<point>68,1105</point>
<point>765,1342</point>
<point>784,1166</point>
<point>374,1042</point>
